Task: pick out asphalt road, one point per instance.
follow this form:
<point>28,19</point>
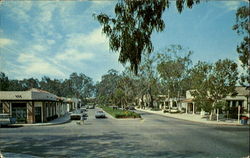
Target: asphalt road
<point>153,136</point>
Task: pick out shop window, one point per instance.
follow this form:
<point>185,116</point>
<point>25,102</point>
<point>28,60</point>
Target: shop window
<point>19,111</point>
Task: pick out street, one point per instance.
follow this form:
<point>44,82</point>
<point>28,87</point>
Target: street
<point>152,136</point>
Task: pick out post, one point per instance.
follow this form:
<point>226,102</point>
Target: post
<point>178,101</point>
<point>168,101</point>
<point>238,114</point>
<point>186,108</point>
<point>217,115</point>
<point>193,108</point>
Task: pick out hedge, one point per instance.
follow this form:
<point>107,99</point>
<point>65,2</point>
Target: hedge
<point>117,113</point>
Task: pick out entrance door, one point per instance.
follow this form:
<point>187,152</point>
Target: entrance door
<point>19,111</point>
<point>38,114</point>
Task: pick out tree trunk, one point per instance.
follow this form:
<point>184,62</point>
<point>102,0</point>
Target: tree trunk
<point>142,102</point>
<point>151,104</point>
<point>211,115</point>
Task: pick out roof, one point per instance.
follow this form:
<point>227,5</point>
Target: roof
<point>32,94</point>
<point>242,91</point>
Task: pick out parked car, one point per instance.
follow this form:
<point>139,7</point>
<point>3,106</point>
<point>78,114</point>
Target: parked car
<point>174,110</point>
<point>100,114</point>
<point>83,110</point>
<point>131,108</point>
<point>90,106</point>
<point>78,115</point>
<point>5,119</point>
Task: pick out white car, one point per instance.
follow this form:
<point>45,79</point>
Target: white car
<point>100,114</point>
<point>5,119</point>
<point>78,115</point>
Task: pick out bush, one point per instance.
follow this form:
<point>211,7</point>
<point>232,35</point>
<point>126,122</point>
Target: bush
<point>117,113</point>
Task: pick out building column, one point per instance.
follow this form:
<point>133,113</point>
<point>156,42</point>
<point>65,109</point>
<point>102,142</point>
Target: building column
<point>231,103</point>
<point>30,112</point>
<point>50,108</point>
<point>6,107</point>
<point>44,112</point>
<point>42,117</point>
<point>193,108</point>
<point>186,108</point>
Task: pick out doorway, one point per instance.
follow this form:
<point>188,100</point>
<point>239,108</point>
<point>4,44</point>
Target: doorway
<point>19,111</point>
<point>38,114</point>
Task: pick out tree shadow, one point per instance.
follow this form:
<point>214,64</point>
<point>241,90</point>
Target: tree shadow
<point>106,145</point>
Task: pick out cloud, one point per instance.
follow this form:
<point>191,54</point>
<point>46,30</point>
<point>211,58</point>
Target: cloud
<point>20,11</point>
<point>55,38</point>
<point>39,48</point>
<point>73,56</point>
<point>50,42</point>
<point>34,65</point>
<point>94,38</point>
<point>5,42</point>
<point>231,5</point>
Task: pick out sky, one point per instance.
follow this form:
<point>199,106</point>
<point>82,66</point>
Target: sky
<point>55,39</point>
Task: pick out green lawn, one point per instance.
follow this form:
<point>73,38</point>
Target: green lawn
<point>117,113</point>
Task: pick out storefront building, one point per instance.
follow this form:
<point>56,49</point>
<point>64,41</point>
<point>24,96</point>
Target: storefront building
<point>239,99</point>
<point>32,106</point>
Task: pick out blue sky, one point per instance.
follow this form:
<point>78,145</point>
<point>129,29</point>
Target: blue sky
<point>54,39</point>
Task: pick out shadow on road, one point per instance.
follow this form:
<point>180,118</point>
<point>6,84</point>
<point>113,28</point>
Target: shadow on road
<point>107,145</point>
<point>233,129</point>
<point>10,126</point>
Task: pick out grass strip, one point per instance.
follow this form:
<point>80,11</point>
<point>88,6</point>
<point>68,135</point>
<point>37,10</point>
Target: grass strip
<point>118,113</point>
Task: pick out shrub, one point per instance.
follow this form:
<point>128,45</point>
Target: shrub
<point>117,113</point>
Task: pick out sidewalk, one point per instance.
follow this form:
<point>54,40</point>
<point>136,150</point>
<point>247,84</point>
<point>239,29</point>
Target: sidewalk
<point>193,118</point>
<point>60,120</point>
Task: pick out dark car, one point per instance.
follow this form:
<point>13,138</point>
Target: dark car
<point>131,108</point>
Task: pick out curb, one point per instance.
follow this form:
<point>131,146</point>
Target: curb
<point>208,123</point>
<point>41,124</point>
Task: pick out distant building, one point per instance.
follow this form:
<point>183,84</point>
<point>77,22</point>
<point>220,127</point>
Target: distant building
<point>161,102</point>
<point>240,98</point>
<point>72,103</point>
<point>32,106</point>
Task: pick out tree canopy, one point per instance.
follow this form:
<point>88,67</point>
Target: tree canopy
<point>213,82</point>
<point>130,31</point>
<point>173,67</point>
<point>80,86</point>
<point>242,27</point>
